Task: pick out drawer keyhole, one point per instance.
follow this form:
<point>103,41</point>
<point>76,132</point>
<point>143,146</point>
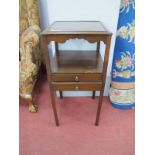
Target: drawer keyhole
<point>76,78</point>
<point>76,88</point>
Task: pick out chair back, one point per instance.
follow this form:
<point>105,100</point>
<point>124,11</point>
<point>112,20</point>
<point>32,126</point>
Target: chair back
<point>28,14</point>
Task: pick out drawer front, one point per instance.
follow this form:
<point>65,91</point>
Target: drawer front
<point>76,77</point>
<point>77,86</point>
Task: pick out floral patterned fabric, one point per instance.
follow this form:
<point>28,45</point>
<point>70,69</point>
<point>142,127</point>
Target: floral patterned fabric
<point>123,68</point>
<point>33,16</point>
<point>23,20</point>
<point>30,55</point>
<point>28,14</point>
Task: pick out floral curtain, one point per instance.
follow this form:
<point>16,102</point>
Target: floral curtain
<point>122,91</point>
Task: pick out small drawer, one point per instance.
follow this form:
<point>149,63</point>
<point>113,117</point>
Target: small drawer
<point>76,77</point>
<point>77,86</point>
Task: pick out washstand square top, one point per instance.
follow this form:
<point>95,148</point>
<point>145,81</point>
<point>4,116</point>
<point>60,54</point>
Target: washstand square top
<point>76,27</point>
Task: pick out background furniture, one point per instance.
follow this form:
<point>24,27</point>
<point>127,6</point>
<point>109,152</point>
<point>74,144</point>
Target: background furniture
<point>122,91</point>
<point>76,70</point>
<point>30,55</point>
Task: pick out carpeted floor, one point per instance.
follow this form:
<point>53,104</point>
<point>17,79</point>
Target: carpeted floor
<point>76,134</point>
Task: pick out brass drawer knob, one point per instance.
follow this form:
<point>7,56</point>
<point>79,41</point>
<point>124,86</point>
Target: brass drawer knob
<point>76,78</point>
<point>76,88</point>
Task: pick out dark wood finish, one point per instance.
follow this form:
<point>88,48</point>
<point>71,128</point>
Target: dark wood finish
<point>77,77</point>
<point>76,62</point>
<point>77,86</point>
<point>46,55</point>
<point>93,96</point>
<point>76,70</point>
<point>61,38</point>
<point>57,52</point>
<point>61,95</point>
<point>97,50</point>
<point>99,107</point>
<point>98,47</point>
<point>88,60</point>
<point>76,27</point>
<point>104,71</point>
<point>56,46</point>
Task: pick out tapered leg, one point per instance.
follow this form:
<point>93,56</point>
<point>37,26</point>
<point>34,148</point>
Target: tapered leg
<point>99,108</point>
<point>54,107</point>
<point>61,95</point>
<point>93,96</point>
<point>104,72</point>
<point>49,71</point>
